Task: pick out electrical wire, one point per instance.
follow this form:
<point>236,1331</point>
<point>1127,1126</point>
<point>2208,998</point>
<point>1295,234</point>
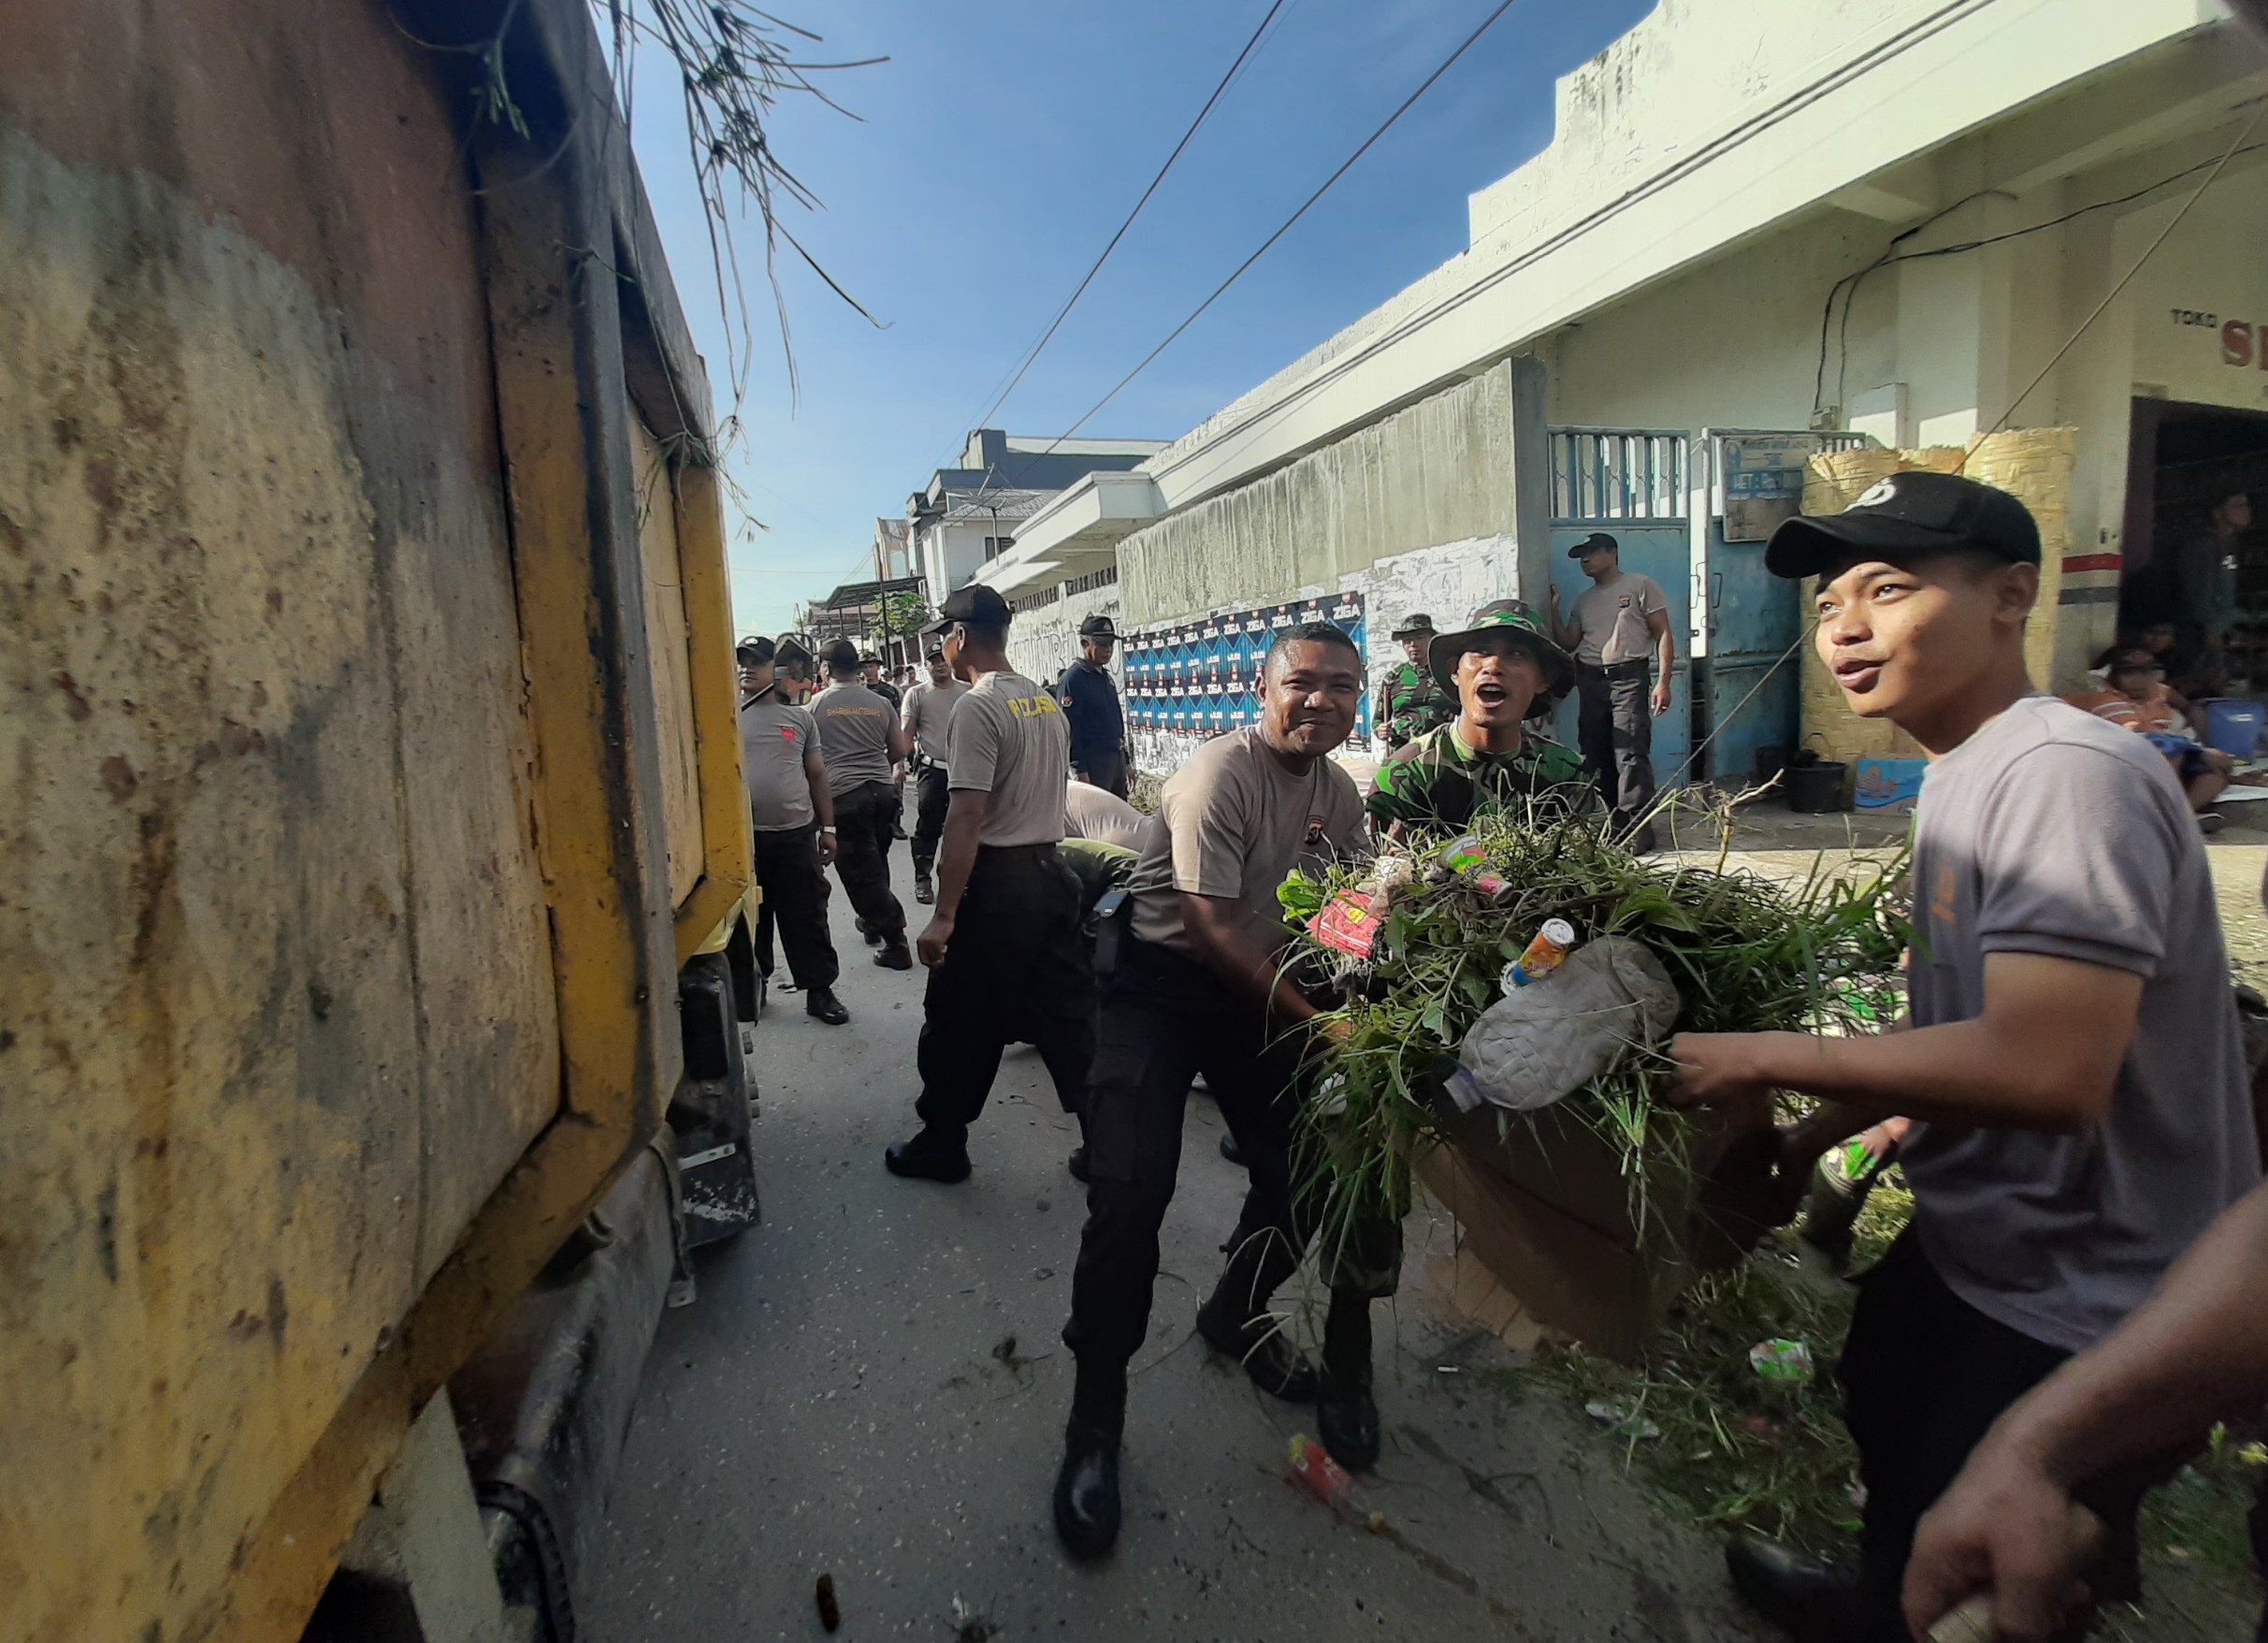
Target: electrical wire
<point>1305,206</point>
<point>1252,44</point>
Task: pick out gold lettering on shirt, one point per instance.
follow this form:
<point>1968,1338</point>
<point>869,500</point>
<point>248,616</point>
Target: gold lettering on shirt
<point>1032,707</point>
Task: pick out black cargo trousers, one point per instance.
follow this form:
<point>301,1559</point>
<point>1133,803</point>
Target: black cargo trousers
<point>794,889</point>
<point>1614,726</point>
<point>931,798</point>
<point>1165,1018</point>
<point>862,818</point>
<point>1017,970</point>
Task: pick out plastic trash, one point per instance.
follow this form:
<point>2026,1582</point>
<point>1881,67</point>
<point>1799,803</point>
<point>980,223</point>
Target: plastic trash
<point>1784,1362</point>
<point>1545,954</point>
<point>1542,1041</point>
<point>1329,1482</point>
<point>1622,1416</point>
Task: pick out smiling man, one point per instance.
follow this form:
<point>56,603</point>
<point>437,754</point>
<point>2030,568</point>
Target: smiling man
<point>1501,668</point>
<point>2071,1059</point>
<point>1200,989</point>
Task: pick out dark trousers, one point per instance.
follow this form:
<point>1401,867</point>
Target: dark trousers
<point>1017,970</point>
<point>1614,723</point>
<point>1106,769</point>
<point>1164,1019</point>
<point>862,816</point>
<point>1924,1376</point>
<point>930,801</point>
<point>795,904</point>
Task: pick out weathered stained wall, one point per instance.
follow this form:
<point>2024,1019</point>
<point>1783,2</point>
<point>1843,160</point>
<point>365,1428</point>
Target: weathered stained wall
<point>276,1006</point>
<point>1436,471</point>
<point>1043,642</point>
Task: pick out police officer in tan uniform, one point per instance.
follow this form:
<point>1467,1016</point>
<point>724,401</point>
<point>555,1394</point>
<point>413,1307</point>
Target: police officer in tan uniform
<point>1008,961</point>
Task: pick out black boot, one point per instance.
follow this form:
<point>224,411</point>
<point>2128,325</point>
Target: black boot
<point>1087,1485</point>
<point>930,1156</point>
<point>1235,1321</point>
<point>1811,1602</point>
<point>1346,1415</point>
<point>894,955</point>
<point>821,1003</point>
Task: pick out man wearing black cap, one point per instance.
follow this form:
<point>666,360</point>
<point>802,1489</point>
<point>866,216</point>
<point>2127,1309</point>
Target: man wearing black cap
<point>1201,989</point>
<point>1503,668</point>
<point>1008,961</point>
<point>1620,634</point>
<point>929,711</point>
<point>859,734</point>
<point>795,832</point>
<point>1411,700</point>
<point>1090,703</point>
<point>2071,1056</point>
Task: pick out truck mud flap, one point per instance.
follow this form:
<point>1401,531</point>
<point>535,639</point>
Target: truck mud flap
<point>710,1111</point>
<point>543,1405</point>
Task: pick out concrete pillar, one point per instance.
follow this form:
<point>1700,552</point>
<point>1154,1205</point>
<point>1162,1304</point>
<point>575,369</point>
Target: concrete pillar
<point>418,1568</point>
<point>1531,479</point>
<point>1956,319</point>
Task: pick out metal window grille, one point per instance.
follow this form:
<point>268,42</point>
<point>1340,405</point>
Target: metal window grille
<point>1106,577</point>
<point>1036,601</point>
<point>1617,474</point>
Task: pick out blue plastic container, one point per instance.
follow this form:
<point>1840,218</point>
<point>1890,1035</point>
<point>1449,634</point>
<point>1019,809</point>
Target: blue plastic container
<point>2234,726</point>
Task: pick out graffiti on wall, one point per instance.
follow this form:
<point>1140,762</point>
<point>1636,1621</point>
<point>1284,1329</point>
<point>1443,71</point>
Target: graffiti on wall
<point>1200,679</point>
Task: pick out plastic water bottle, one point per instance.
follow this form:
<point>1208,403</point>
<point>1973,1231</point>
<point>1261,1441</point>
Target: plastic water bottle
<point>1330,1483</point>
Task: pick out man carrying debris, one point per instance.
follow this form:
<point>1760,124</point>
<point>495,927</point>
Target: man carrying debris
<point>1007,956</point>
<point>1502,668</point>
<point>794,815</point>
<point>1199,989</point>
<point>929,709</point>
<point>860,738</point>
<point>1411,699</point>
<point>2072,1060</point>
<point>1620,634</point>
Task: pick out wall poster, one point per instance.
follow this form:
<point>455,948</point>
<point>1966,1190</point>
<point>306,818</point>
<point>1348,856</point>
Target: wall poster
<point>1201,679</point>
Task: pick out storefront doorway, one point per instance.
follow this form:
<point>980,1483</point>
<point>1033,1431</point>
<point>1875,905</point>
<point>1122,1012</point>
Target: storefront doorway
<point>2193,559</point>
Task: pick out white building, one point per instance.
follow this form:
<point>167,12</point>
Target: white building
<point>1878,220</point>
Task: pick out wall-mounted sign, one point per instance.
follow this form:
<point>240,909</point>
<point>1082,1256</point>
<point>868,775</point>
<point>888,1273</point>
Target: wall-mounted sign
<point>1763,481</point>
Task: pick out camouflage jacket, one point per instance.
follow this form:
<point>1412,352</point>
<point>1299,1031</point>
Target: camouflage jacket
<point>1438,785</point>
<point>1410,702</point>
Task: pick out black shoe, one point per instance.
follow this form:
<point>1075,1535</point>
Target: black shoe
<point>895,955</point>
<point>1077,1164</point>
<point>928,1158</point>
<point>1087,1490</point>
<point>1230,1150</point>
<point>1347,1420</point>
<point>1275,1367</point>
<point>822,1005</point>
<point>924,891</point>
<point>1809,1601</point>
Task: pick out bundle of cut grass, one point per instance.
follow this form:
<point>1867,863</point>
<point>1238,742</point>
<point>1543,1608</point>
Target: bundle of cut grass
<point>1746,954</point>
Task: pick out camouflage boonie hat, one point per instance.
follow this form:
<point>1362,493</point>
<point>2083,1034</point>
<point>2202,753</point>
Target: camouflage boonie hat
<point>1514,619</point>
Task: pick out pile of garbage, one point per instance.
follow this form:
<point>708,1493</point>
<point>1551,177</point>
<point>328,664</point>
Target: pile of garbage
<point>1524,966</point>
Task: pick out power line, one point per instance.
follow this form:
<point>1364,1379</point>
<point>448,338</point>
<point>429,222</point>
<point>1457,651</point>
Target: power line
<point>1345,166</point>
<point>984,417</point>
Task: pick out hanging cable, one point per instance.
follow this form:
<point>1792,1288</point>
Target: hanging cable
<point>984,417</point>
<point>1345,166</point>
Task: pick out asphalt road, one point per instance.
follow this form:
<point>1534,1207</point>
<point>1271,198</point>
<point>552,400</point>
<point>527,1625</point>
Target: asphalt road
<point>869,1386</point>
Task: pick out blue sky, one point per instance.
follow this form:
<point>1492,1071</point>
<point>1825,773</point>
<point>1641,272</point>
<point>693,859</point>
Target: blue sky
<point>998,148</point>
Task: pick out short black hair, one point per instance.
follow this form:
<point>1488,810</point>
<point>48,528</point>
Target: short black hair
<point>1309,633</point>
<point>840,656</point>
<point>986,633</point>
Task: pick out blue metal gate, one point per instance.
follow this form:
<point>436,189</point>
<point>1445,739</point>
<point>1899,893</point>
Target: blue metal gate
<point>1630,482</point>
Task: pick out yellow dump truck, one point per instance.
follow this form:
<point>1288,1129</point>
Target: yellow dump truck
<point>370,810</point>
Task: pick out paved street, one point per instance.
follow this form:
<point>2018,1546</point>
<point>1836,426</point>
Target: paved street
<point>871,1386</point>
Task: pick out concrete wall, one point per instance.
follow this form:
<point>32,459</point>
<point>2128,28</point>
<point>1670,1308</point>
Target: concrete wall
<point>1043,642</point>
<point>1436,471</point>
<point>279,1003</point>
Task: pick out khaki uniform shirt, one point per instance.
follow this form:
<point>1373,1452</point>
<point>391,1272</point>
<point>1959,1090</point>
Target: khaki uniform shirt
<point>1009,738</point>
<point>1235,823</point>
<point>1611,616</point>
<point>929,709</point>
<point>854,733</point>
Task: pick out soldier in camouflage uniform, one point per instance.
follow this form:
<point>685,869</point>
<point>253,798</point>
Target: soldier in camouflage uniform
<point>1500,669</point>
<point>1411,701</point>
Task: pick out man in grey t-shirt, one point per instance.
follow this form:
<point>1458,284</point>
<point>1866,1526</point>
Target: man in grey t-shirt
<point>859,737</point>
<point>929,711</point>
<point>2072,1060</point>
<point>1007,955</point>
<point>1623,651</point>
<point>794,817</point>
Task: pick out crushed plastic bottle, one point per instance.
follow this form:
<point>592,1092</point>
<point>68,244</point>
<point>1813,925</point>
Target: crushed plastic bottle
<point>1329,1482</point>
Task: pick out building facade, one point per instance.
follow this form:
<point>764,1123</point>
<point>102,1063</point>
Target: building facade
<point>1765,230</point>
